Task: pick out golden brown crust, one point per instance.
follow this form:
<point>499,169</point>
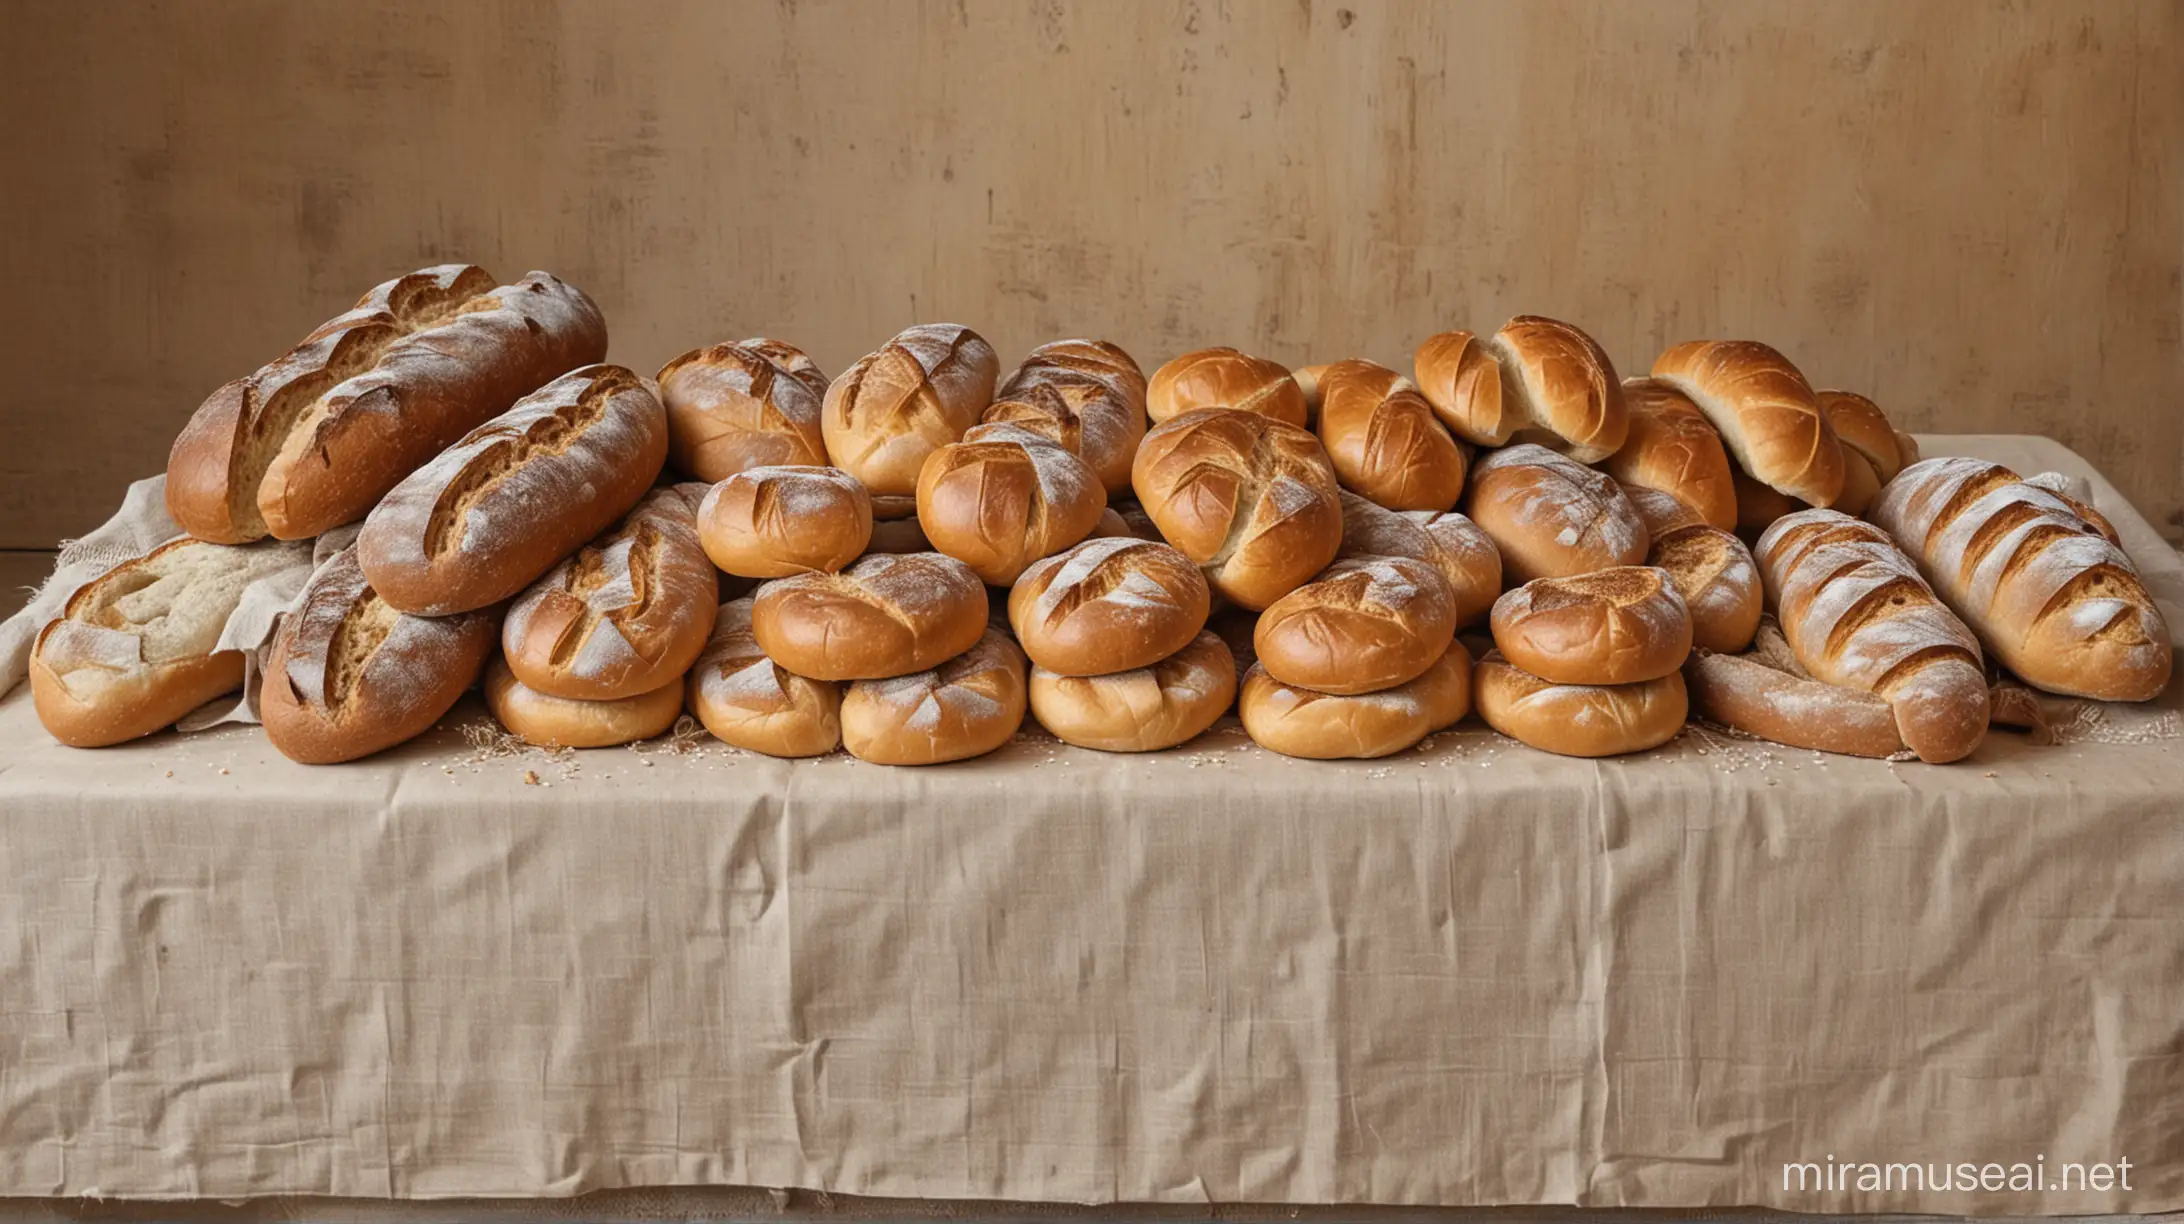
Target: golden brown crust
<point>754,403</point>
<point>1566,386</point>
<point>1384,440</point>
<point>1301,722</point>
<point>1252,501</point>
<point>1581,720</point>
<point>1462,380</point>
<point>887,615</point>
<point>1862,427</point>
<point>1450,543</point>
<point>774,522</point>
<point>1141,710</point>
<point>1673,448</point>
<point>967,706</point>
<point>1766,413</point>
<point>1361,626</point>
<point>1614,626</point>
<point>562,722</point>
<point>1719,582</point>
<point>1005,497</point>
<point>1552,517</point>
<point>1086,395</point>
<point>750,702</point>
<point>1745,695</point>
<point>894,407</point>
<point>1111,604</point>
<point>1222,377</point>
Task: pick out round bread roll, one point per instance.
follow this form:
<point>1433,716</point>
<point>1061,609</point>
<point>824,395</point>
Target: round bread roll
<point>1362,626</point>
<point>774,522</point>
<point>1612,626</point>
<point>968,706</point>
<point>1253,501</point>
<point>1225,378</point>
<point>1086,395</point>
<point>754,403</point>
<point>1110,604</point>
<point>1719,582</point>
<point>1005,497</point>
<point>1552,517</point>
<point>1751,697</point>
<point>901,535</point>
<point>1301,722</point>
<point>1141,710</point>
<point>887,615</point>
<point>563,722</point>
<point>1448,542</point>
<point>1580,720</point>
<point>1383,438</point>
<point>1536,380</point>
<point>1673,448</point>
<point>886,413</point>
<point>750,702</point>
<point>1765,411</point>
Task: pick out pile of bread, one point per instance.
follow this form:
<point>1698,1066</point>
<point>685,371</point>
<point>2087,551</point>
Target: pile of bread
<point>902,560</point>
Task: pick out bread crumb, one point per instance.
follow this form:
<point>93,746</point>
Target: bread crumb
<point>223,771</point>
<point>530,777</point>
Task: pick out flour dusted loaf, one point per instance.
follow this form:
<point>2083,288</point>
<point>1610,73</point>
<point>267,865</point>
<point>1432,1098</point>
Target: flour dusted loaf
<point>623,617</point>
<point>1550,516</point>
<point>496,510</point>
<point>1581,720</point>
<point>918,393</point>
<point>773,522</point>
<point>2049,593</point>
<point>1361,626</point>
<point>748,701</point>
<point>1383,438</point>
<point>1005,497</point>
<point>1145,709</point>
<point>967,706</point>
<point>1111,604</point>
<point>1766,413</point>
<point>888,615</point>
<point>563,722</point>
<point>1613,626</point>
<point>135,648</point>
<point>1450,543</point>
<point>1714,573</point>
<point>1088,396</point>
<point>1536,380</point>
<point>350,675</point>
<point>1857,614</point>
<point>314,439</point>
<point>1222,377</point>
<point>1749,696</point>
<point>1302,722</point>
<point>754,403</point>
<point>1673,448</point>
<point>1252,501</point>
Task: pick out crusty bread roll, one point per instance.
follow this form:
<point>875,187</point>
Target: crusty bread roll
<point>348,675</point>
<point>496,510</point>
<point>1253,501</point>
<point>1005,497</point>
<point>918,393</point>
<point>754,403</point>
<point>563,722</point>
<point>1746,695</point>
<point>1536,380</point>
<point>967,706</point>
<point>136,648</point>
<point>1673,448</point>
<point>1613,626</point>
<point>1857,614</point>
<point>1361,626</point>
<point>1300,722</point>
<point>748,701</point>
<point>1766,413</point>
<point>1141,710</point>
<point>624,616</point>
<point>1384,439</point>
<point>1658,511</point>
<point>887,615</point>
<point>1551,516</point>
<point>1224,378</point>
<point>1580,720</point>
<point>775,522</point>
<point>1086,395</point>
<point>2049,594</point>
<point>1110,604</point>
<point>1448,542</point>
<point>1719,582</point>
<point>1861,426</point>
<point>313,440</point>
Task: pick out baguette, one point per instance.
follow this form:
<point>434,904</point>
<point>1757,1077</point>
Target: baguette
<point>2056,601</point>
<point>499,508</point>
<point>1745,695</point>
<point>1857,614</point>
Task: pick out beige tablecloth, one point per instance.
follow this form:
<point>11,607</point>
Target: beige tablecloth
<point>1469,974</point>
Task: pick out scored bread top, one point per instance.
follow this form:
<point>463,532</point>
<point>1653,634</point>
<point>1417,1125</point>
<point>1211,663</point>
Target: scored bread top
<point>1766,413</point>
<point>1004,497</point>
<point>772,522</point>
<point>1109,604</point>
<point>1613,626</point>
<point>1384,439</point>
<point>916,394</point>
<point>1253,501</point>
<point>753,403</point>
<point>1551,516</point>
<point>1222,377</point>
<point>1449,542</point>
<point>1364,624</point>
<point>1086,395</point>
<point>1672,448</point>
<point>346,649</point>
<point>1565,385</point>
<point>887,615</point>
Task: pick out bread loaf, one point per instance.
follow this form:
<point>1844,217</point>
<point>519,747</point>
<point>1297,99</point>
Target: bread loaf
<point>1141,710</point>
<point>1252,501</point>
<point>1448,542</point>
<point>1224,378</point>
<point>1861,426</point>
<point>316,438</point>
<point>1384,440</point>
<point>887,615</point>
<point>1551,517</point>
<point>1658,511</point>
<point>1086,395</point>
<point>1301,722</point>
<point>1673,448</point>
<point>626,615</point>
<point>2056,602</point>
<point>348,675</point>
<point>967,706</point>
<point>1718,580</point>
<point>1110,604</point>
<point>1580,720</point>
<point>1857,614</point>
<point>1361,626</point>
<point>499,508</point>
<point>136,648</point>
<point>1749,696</point>
<point>2072,493</point>
<point>1005,497</point>
<point>754,403</point>
<point>1765,411</point>
<point>562,722</point>
<point>918,393</point>
<point>1536,380</point>
<point>1613,626</point>
<point>748,701</point>
<point>774,522</point>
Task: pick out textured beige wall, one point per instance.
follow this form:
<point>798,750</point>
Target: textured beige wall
<point>1971,211</point>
